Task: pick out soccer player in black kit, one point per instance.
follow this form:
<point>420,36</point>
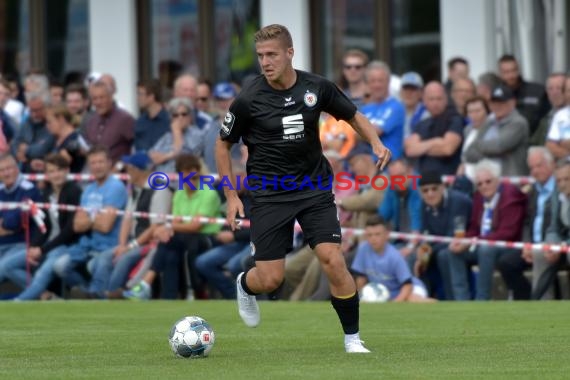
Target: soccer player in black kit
<point>277,116</point>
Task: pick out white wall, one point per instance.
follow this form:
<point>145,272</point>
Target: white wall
<point>294,14</point>
<point>113,46</point>
<point>467,30</point>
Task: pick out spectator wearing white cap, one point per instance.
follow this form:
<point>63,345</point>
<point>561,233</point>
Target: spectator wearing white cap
<point>411,96</point>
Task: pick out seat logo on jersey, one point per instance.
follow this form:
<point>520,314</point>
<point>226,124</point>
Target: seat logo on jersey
<point>293,127</point>
<point>310,98</point>
<point>228,123</point>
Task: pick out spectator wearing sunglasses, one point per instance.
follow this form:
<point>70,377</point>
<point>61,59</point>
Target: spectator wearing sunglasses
<point>352,81</point>
<point>184,137</point>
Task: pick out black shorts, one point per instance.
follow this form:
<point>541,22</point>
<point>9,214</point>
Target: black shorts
<point>272,225</point>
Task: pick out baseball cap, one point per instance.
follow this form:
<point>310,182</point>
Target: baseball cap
<point>224,90</point>
<point>412,79</point>
<point>138,160</point>
<point>501,93</point>
<point>360,148</point>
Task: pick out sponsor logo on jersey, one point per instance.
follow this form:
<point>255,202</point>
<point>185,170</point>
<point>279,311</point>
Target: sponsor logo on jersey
<point>228,123</point>
<point>293,127</point>
<point>289,101</point>
<point>310,98</point>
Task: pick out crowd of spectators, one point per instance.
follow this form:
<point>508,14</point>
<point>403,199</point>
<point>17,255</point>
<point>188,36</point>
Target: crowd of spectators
<point>478,131</point>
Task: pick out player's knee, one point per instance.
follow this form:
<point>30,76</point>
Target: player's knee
<point>272,282</point>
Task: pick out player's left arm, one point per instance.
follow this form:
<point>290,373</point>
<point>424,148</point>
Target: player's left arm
<point>369,133</point>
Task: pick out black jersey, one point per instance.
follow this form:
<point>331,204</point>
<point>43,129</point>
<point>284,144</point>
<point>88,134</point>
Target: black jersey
<point>281,131</point>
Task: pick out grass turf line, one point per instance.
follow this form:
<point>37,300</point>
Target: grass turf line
<point>81,340</point>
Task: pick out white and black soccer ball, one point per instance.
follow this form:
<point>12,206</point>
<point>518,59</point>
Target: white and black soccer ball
<point>191,337</point>
<point>374,292</point>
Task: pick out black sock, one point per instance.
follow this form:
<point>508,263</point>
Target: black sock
<point>347,310</point>
<point>245,287</point>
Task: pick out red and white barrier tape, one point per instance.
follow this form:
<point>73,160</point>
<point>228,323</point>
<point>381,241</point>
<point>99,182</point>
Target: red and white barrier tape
<point>246,223</point>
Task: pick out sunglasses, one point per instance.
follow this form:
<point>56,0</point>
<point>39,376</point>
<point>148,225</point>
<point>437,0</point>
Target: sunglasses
<point>355,67</point>
<point>427,189</point>
<point>182,114</point>
<point>485,182</point>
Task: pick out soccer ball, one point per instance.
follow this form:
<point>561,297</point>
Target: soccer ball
<point>191,337</point>
<point>374,292</point>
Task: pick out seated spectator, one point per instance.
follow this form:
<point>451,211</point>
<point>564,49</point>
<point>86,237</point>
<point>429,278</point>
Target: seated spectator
<point>44,249</point>
<point>110,270</point>
<point>436,141</point>
<point>498,214</point>
<point>337,135</point>
<point>558,232</point>
<point>99,221</point>
<point>477,111</point>
<point>68,142</point>
<point>411,97</point>
<point>445,212</point>
<point>558,137</point>
<point>33,140</point>
<point>110,125</point>
<point>14,188</point>
<point>154,121</point>
<point>179,238</point>
<point>555,94</point>
<point>204,98</point>
<point>386,113</point>
<point>186,86</point>
<point>504,137</point>
<point>380,262</point>
<point>184,137</point>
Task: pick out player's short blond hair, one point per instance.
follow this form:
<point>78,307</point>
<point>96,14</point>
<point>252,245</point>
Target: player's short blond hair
<point>274,32</point>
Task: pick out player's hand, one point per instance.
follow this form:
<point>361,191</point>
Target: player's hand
<point>235,208</point>
<point>383,155</point>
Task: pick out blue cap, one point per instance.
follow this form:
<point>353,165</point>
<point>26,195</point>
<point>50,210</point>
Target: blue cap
<point>138,160</point>
<point>412,79</point>
<point>225,91</point>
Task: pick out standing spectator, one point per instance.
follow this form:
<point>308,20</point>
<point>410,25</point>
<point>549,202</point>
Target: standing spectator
<point>184,137</point>
<point>477,110</point>
<point>110,126</point>
<point>558,138</point>
<point>411,97</point>
<point>555,93</point>
<point>353,83</point>
<point>154,121</point>
<point>530,97</point>
<point>33,140</point>
<point>43,249</point>
<point>504,137</point>
<point>7,124</point>
<point>204,97</point>
<point>457,67</point>
<point>538,218</point>
<point>462,90</point>
<point>186,86</point>
<point>486,83</point>
<point>498,214</point>
<point>56,92</point>
<point>11,105</point>
<point>436,141</point>
<point>386,113</point>
<point>77,102</point>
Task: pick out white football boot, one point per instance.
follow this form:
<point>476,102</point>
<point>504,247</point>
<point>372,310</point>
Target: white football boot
<point>247,305</point>
<point>354,345</point>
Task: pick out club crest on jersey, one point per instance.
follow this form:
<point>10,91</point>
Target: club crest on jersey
<point>310,99</point>
<point>228,123</point>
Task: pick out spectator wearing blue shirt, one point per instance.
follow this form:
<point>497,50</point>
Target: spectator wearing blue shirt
<point>378,261</point>
<point>444,211</point>
<point>386,113</point>
<point>402,204</point>
<point>105,193</point>
<point>436,141</point>
<point>14,188</point>
<point>154,121</point>
<point>411,91</point>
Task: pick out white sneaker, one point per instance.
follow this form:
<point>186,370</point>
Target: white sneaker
<point>355,346</point>
<point>247,305</point>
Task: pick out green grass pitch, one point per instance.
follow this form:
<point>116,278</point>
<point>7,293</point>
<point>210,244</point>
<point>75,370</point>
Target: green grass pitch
<point>128,340</point>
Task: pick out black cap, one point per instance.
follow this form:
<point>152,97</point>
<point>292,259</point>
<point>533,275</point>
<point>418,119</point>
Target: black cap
<point>502,93</point>
<point>359,148</point>
<point>430,178</point>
